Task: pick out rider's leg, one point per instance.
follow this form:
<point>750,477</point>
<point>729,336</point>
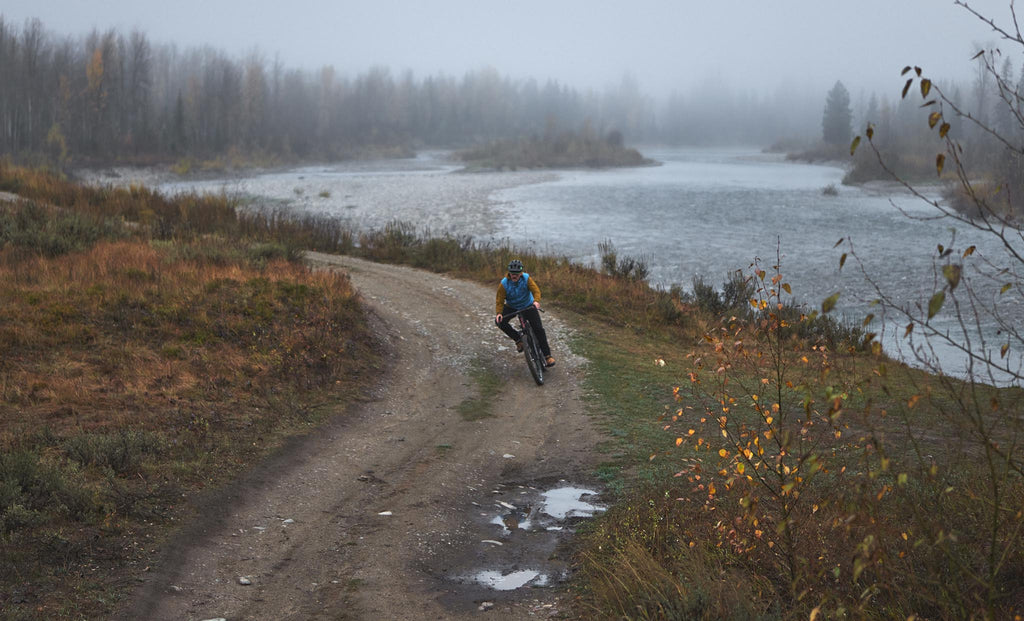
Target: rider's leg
<point>506,327</point>
<point>533,317</point>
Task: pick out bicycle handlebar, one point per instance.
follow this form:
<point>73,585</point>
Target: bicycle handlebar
<point>513,314</point>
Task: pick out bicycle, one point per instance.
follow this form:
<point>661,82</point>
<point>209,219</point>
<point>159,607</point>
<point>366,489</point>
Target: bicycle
<point>531,348</point>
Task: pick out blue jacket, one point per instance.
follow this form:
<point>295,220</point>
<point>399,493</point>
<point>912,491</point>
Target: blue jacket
<point>518,295</point>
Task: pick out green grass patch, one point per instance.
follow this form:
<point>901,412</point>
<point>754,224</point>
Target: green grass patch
<point>631,392</point>
<point>488,384</point>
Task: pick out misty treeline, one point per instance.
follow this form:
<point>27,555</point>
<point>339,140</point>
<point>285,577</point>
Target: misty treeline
<point>110,96</point>
<point>114,96</point>
<point>986,123</point>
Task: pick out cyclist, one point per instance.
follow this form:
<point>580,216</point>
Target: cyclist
<point>517,291</point>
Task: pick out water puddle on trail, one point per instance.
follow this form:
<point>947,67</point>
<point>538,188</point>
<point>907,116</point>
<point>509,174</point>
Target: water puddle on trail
<point>510,582</point>
<point>565,502</point>
<point>530,527</point>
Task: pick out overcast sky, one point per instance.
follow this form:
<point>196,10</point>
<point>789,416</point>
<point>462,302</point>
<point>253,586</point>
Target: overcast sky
<point>665,44</point>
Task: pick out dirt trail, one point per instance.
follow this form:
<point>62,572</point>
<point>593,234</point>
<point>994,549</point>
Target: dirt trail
<point>306,528</point>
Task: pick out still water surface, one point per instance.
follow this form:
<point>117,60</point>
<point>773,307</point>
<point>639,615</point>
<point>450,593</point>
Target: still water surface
<point>701,213</point>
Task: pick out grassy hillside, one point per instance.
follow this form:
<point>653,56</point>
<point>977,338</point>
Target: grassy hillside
<point>150,349</point>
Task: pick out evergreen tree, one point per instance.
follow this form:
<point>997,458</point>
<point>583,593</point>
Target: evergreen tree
<point>835,122</point>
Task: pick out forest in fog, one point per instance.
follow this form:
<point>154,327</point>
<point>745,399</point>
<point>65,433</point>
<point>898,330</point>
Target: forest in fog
<point>113,96</point>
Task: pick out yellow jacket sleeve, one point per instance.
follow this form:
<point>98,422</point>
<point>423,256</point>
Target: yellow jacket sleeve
<point>500,302</point>
<point>534,289</point>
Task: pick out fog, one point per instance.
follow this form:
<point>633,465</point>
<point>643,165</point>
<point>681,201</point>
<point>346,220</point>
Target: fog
<point>666,45</point>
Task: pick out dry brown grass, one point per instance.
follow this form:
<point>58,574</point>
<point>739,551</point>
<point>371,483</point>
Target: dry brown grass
<point>149,348</point>
<point>120,328</point>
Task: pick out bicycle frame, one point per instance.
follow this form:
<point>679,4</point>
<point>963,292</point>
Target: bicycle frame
<point>534,357</point>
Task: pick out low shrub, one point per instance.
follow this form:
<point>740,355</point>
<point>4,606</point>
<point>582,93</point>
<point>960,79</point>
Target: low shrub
<point>123,451</point>
<point>627,267</point>
<point>31,228</point>
<point>34,491</point>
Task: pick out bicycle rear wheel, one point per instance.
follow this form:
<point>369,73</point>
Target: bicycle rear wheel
<point>534,357</point>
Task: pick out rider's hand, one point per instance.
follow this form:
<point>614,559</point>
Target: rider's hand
<point>497,318</point>
<point>536,304</point>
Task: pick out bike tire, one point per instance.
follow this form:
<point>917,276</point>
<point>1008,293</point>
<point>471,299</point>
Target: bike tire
<point>534,357</point>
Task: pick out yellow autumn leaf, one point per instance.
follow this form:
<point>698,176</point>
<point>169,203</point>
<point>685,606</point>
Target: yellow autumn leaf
<point>679,441</point>
<point>829,303</point>
<point>723,453</point>
<point>935,304</point>
<point>952,273</point>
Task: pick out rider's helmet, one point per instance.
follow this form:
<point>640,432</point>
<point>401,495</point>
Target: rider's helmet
<point>515,267</point>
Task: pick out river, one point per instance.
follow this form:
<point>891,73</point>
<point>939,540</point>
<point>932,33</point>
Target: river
<point>703,212</point>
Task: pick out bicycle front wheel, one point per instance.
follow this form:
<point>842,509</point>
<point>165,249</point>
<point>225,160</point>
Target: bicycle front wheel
<point>534,357</point>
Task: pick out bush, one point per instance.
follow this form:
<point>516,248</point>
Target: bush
<point>630,268</point>
<point>123,452</point>
<point>734,297</point>
<point>51,232</point>
<point>32,491</point>
<point>262,253</point>
<point>706,297</point>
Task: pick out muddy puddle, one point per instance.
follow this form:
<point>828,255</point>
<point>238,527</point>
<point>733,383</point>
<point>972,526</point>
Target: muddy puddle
<point>523,529</point>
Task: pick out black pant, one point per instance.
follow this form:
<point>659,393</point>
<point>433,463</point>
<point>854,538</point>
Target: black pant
<point>531,315</point>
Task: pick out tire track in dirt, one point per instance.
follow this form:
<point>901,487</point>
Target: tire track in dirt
<point>306,527</point>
